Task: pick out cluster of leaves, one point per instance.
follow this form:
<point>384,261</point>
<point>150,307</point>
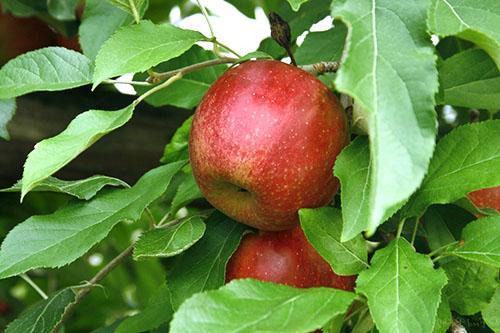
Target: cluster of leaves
<point>402,185</point>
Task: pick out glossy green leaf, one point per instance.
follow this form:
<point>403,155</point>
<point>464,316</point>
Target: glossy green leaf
<point>476,21</point>
<point>189,90</point>
<point>443,319</point>
<point>470,285</point>
<point>322,227</point>
<point>52,154</point>
<point>44,315</point>
<point>187,192</point>
<point>462,155</point>
<point>158,311</point>
<point>62,9</point>
<point>7,111</point>
<point>255,306</point>
<point>403,289</point>
<point>48,69</point>
<point>322,45</point>
<point>491,311</point>
<point>60,238</point>
<point>24,7</point>
<point>177,148</point>
<point>130,6</point>
<point>168,242</point>
<point>82,189</point>
<point>470,79</point>
<point>481,241</point>
<point>100,20</point>
<point>295,4</point>
<point>203,266</point>
<point>389,70</point>
<point>352,167</point>
<point>139,47</point>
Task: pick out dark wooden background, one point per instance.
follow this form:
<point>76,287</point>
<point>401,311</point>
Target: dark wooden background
<point>126,153</point>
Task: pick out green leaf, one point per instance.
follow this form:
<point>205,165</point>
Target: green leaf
<point>60,238</point>
<point>7,111</point>
<point>187,192</point>
<point>491,311</point>
<point>459,158</point>
<point>203,266</point>
<point>130,6</point>
<point>476,21</point>
<point>44,315</point>
<point>322,45</point>
<point>470,79</point>
<point>177,148</point>
<point>169,242</point>
<point>322,227</point>
<point>481,241</point>
<point>246,7</point>
<point>141,46</point>
<point>389,70</point>
<point>158,311</point>
<point>470,285</point>
<point>403,289</point>
<point>443,319</point>
<point>352,167</point>
<point>100,21</point>
<point>255,306</point>
<point>50,155</point>
<point>82,189</point>
<point>295,4</point>
<point>189,90</point>
<point>62,9</point>
<point>48,69</point>
<point>24,7</point>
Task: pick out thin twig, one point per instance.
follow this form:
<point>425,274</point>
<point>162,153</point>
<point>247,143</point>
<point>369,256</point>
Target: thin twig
<point>134,83</point>
<point>215,41</point>
<point>158,87</point>
<point>137,18</point>
<point>400,228</point>
<point>152,220</point>
<point>415,229</point>
<point>212,34</point>
<point>39,290</point>
<point>95,280</point>
<point>322,67</point>
<point>439,249</point>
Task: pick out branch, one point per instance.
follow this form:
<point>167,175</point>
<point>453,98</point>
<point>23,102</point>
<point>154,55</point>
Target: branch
<point>95,280</point>
<point>322,67</point>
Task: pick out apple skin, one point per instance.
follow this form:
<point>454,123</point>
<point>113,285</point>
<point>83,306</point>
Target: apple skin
<point>264,141</point>
<point>19,35</point>
<point>284,257</point>
<point>486,198</point>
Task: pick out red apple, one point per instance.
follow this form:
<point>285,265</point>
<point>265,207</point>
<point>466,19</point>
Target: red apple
<point>284,257</point>
<point>71,43</point>
<point>20,35</point>
<point>264,141</point>
<point>486,198</point>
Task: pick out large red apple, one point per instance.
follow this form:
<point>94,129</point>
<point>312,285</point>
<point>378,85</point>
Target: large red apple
<point>20,35</point>
<point>264,141</point>
<point>284,257</point>
<point>486,198</point>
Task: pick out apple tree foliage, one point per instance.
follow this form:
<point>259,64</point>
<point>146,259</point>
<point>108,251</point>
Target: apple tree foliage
<point>425,132</point>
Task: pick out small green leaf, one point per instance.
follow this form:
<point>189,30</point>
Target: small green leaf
<point>139,47</point>
<point>48,69</point>
<point>322,227</point>
<point>352,167</point>
<point>177,148</point>
<point>203,266</point>
<point>130,6</point>
<point>481,241</point>
<point>295,4</point>
<point>403,289</point>
<point>100,20</point>
<point>255,306</point>
<point>470,79</point>
<point>7,111</point>
<point>187,192</point>
<point>322,45</point>
<point>24,7</point>
<point>389,69</point>
<point>158,311</point>
<point>476,21</point>
<point>62,9</point>
<point>50,155</point>
<point>82,189</point>
<point>470,285</point>
<point>169,242</point>
<point>443,319</point>
<point>462,155</point>
<point>44,315</point>
<point>491,311</point>
<point>60,238</point>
